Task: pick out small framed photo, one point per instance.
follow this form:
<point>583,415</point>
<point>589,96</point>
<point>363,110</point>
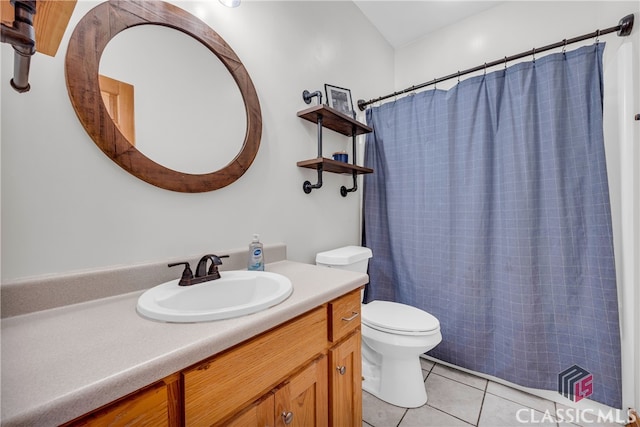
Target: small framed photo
<point>339,99</point>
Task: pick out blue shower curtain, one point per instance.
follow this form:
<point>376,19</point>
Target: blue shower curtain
<point>489,208</point>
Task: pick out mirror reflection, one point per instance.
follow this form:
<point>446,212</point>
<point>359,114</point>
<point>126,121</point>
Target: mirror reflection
<point>172,99</point>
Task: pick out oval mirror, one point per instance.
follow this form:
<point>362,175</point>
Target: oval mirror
<point>184,110</point>
<point>85,75</point>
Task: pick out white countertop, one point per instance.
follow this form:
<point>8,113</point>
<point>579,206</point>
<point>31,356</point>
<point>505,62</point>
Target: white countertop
<point>61,363</point>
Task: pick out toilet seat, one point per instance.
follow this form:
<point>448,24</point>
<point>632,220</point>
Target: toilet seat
<point>399,319</point>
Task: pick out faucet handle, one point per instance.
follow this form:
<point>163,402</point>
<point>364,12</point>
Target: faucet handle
<point>187,274</point>
<point>215,262</point>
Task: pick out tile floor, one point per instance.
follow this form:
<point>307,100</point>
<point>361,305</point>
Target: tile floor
<point>457,398</point>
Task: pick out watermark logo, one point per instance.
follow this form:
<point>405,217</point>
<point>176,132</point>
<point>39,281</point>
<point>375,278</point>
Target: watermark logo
<point>573,415</point>
<point>575,383</point>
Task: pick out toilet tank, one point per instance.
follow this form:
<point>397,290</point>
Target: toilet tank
<point>353,258</point>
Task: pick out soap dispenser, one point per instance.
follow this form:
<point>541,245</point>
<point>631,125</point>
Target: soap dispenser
<point>256,255</point>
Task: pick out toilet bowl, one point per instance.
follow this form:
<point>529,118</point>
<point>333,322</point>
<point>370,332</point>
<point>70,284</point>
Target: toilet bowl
<point>394,336</point>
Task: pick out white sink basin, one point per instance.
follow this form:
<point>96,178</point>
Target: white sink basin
<point>236,293</point>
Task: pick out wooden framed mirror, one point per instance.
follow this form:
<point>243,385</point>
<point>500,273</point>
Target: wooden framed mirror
<point>87,43</point>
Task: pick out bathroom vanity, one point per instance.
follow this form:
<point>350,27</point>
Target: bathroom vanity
<point>100,363</point>
<point>280,377</point>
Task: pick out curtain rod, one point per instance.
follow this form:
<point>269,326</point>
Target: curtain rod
<point>623,28</point>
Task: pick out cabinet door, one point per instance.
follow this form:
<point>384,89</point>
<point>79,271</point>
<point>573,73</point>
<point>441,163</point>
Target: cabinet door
<point>345,386</point>
<point>218,387</point>
<point>260,414</point>
<point>303,400</point>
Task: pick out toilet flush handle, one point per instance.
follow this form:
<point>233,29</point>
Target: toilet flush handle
<point>349,319</point>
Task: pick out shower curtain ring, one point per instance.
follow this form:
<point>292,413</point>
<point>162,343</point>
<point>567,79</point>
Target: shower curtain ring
<point>505,62</point>
<point>597,36</point>
<point>485,68</point>
<point>458,76</point>
<point>564,47</point>
<point>533,54</point>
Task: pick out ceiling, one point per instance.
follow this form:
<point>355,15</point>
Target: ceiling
<point>402,22</point>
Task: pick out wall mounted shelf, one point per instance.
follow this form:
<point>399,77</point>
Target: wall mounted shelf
<point>333,166</point>
<point>334,120</point>
<point>326,117</point>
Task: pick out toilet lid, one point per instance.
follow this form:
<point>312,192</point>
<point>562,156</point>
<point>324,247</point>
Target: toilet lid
<point>398,318</point>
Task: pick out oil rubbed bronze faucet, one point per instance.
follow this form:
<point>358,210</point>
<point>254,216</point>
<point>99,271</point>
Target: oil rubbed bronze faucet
<point>202,274</point>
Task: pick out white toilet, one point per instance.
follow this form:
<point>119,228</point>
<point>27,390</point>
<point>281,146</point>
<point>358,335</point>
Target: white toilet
<point>393,338</point>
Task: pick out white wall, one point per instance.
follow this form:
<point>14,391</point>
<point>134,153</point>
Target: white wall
<point>517,26</point>
<point>67,207</point>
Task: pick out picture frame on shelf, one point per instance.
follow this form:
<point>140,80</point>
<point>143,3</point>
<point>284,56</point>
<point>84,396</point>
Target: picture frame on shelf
<point>339,99</point>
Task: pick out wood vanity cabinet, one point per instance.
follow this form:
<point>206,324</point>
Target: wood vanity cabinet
<point>305,372</point>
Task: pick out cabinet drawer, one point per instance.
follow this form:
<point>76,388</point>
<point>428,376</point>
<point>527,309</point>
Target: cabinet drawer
<point>216,388</point>
<point>344,315</point>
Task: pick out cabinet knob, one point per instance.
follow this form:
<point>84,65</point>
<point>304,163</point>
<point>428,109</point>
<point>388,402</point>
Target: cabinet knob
<point>341,369</point>
<point>287,417</point>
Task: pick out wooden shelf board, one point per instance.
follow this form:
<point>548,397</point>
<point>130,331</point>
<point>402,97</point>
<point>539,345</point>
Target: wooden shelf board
<point>334,166</point>
<point>334,120</point>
